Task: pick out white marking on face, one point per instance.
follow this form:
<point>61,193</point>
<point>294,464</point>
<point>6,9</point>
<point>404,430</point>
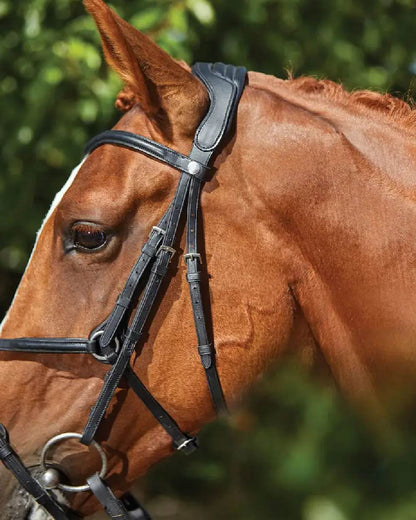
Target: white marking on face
<point>58,197</point>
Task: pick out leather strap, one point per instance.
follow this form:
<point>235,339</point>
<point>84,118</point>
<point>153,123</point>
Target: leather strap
<point>193,261</point>
<point>135,330</point>
<point>180,440</point>
<point>135,509</point>
<point>152,149</point>
<point>48,345</point>
<point>225,84</point>
<point>13,462</point>
<point>114,507</point>
<point>125,299</point>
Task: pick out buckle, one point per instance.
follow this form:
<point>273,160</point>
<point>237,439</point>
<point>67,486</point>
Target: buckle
<point>168,249</point>
<point>192,256</point>
<point>189,445</point>
<point>158,230</point>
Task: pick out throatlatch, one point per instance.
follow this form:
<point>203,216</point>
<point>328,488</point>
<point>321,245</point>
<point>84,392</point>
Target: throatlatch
<point>115,340</point>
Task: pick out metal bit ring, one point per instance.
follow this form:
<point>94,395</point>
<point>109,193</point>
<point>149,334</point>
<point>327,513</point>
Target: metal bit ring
<point>71,435</point>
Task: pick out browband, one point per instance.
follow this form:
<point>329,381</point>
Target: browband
<point>158,151</point>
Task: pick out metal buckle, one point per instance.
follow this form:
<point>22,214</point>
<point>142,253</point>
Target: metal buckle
<point>192,255</point>
<point>168,249</point>
<point>158,230</point>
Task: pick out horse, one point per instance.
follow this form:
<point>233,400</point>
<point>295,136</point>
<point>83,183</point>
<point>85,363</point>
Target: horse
<point>308,244</point>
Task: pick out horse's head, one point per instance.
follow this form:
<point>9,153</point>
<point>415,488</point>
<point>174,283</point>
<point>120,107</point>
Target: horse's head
<point>87,246</point>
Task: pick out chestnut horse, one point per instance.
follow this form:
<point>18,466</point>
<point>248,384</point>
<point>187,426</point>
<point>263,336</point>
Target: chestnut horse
<point>309,226</point>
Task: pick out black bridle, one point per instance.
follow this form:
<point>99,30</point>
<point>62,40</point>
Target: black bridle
<point>114,341</point>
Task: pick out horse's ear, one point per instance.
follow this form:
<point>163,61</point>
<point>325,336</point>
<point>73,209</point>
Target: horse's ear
<point>166,90</point>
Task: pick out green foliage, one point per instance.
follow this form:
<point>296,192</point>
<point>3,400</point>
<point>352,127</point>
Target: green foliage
<point>56,91</point>
<point>294,451</point>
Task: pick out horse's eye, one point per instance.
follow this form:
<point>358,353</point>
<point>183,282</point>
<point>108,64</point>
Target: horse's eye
<point>88,236</point>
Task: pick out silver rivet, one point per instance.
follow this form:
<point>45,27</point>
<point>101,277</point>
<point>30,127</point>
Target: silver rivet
<point>50,479</point>
<point>194,168</point>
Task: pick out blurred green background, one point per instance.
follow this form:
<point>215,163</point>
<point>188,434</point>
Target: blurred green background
<point>293,450</point>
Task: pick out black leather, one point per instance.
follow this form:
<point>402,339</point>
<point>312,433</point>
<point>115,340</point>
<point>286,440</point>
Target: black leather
<point>181,441</point>
<point>225,84</point>
<point>114,507</point>
<point>135,509</point>
<point>193,260</point>
<point>148,147</point>
<point>12,462</point>
<point>111,326</point>
<point>49,345</point>
<point>135,330</point>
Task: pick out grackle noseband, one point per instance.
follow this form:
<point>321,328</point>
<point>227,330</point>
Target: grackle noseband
<point>114,341</point>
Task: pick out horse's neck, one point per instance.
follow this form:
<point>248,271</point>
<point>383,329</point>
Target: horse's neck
<point>342,193</point>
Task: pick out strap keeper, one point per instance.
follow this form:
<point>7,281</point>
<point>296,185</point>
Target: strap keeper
<point>149,250</point>
<point>123,301</point>
<point>132,336</point>
<point>206,352</point>
<point>5,451</point>
<point>188,446</point>
<point>193,277</point>
<point>159,269</point>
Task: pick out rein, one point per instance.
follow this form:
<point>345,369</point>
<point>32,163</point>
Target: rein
<point>114,341</point>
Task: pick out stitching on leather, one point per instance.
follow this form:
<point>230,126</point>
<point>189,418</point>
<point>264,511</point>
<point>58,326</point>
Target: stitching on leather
<point>210,110</point>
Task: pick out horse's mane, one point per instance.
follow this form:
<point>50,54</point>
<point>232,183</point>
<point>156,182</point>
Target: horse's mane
<point>375,103</point>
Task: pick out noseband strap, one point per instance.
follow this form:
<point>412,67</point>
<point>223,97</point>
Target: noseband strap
<point>115,340</point>
<point>49,345</point>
